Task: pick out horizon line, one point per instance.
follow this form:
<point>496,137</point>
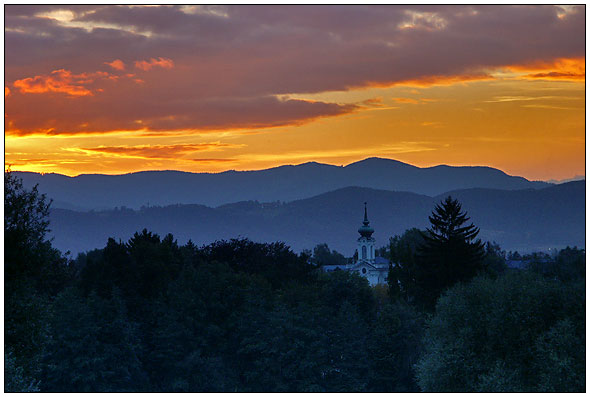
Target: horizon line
<point>552,180</point>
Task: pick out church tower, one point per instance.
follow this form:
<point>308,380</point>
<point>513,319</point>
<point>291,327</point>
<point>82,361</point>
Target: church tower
<point>366,243</point>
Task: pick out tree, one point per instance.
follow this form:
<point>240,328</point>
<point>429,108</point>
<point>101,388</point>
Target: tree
<point>568,265</point>
<point>519,332</point>
<point>28,256</point>
<point>323,256</point>
<point>15,380</point>
<point>494,259</point>
<point>403,254</point>
<point>449,253</point>
<point>33,272</point>
<point>93,347</point>
<point>273,261</point>
<point>25,216</point>
<point>394,348</point>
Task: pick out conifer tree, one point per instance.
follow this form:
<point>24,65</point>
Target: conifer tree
<point>449,253</point>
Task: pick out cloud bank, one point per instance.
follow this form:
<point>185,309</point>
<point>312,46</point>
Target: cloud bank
<point>96,69</point>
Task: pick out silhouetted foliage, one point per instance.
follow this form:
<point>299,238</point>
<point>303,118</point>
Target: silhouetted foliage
<point>403,253</point>
<point>569,264</point>
<point>494,261</point>
<point>93,348</point>
<point>239,316</point>
<point>538,262</point>
<point>28,255</point>
<point>33,273</point>
<point>394,349</point>
<point>449,253</point>
<point>518,333</point>
<point>323,256</point>
<point>15,380</point>
<point>274,261</point>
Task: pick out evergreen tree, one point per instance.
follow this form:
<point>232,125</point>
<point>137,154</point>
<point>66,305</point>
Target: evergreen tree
<point>449,253</point>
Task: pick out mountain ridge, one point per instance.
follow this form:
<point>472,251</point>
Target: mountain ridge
<point>524,220</point>
<point>283,183</point>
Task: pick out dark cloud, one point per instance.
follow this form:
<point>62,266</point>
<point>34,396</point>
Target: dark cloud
<point>230,61</point>
<point>137,109</point>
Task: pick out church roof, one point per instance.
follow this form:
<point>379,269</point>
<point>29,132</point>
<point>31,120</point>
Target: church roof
<point>331,268</point>
<point>379,260</point>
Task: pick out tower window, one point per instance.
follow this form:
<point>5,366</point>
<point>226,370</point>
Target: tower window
<point>364,252</point>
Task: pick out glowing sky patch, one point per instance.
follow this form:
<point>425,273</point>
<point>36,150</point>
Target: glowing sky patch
<point>118,89</point>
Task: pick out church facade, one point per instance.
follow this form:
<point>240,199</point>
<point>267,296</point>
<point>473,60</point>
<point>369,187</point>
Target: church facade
<point>374,268</point>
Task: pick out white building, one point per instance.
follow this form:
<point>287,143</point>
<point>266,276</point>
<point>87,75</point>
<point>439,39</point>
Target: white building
<point>373,268</point>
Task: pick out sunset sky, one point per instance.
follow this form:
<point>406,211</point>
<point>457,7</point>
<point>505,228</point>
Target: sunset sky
<point>117,89</point>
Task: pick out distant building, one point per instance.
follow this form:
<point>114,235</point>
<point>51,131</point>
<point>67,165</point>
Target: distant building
<point>373,268</point>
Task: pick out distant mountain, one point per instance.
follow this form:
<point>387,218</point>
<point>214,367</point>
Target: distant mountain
<point>524,220</point>
<point>285,183</point>
<point>575,178</point>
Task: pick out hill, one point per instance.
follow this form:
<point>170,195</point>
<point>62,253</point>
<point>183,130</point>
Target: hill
<point>285,183</point>
<point>524,220</point>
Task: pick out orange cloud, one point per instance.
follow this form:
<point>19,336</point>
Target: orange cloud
<point>64,81</point>
<point>373,102</point>
<point>558,76</point>
<point>158,151</point>
<point>428,81</point>
<point>59,81</point>
<point>435,124</point>
<point>572,69</point>
<point>160,62</point>
<point>406,100</point>
<point>432,80</point>
<point>212,160</point>
<point>117,64</point>
<point>419,101</point>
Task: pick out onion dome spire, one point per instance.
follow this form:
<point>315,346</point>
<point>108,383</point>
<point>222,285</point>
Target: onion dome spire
<point>366,230</point>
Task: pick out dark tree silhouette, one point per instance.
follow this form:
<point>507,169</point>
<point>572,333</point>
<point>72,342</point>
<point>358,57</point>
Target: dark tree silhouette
<point>33,273</point>
<point>25,226</point>
<point>323,256</point>
<point>403,256</point>
<point>449,253</point>
<point>519,332</point>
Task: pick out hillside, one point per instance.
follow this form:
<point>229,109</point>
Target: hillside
<point>521,220</point>
<point>286,183</point>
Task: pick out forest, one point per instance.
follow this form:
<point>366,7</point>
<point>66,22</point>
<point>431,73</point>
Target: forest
<point>150,315</point>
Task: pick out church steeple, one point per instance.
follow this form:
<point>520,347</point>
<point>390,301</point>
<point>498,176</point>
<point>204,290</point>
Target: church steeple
<point>366,230</point>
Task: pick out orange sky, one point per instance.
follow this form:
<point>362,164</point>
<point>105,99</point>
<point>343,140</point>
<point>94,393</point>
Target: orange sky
<point>256,105</point>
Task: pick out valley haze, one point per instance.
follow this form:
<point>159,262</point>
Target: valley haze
<point>309,204</point>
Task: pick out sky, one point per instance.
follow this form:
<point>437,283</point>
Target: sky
<point>117,89</point>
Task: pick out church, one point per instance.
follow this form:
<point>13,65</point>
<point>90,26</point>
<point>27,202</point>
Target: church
<point>373,268</point>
